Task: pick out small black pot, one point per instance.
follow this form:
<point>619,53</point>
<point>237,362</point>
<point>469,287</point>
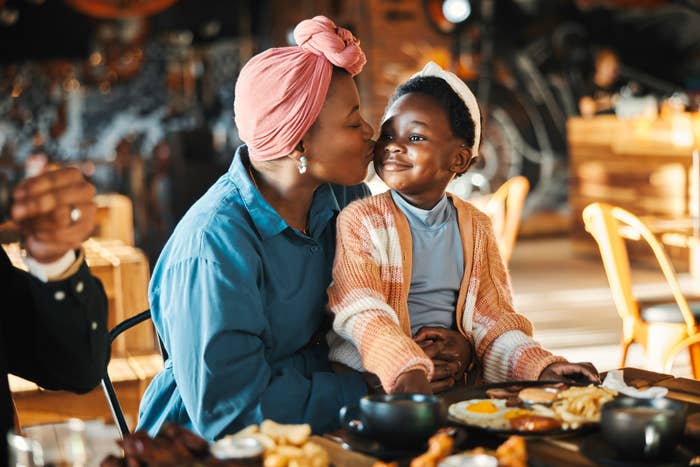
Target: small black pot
<point>398,420</point>
<point>643,428</point>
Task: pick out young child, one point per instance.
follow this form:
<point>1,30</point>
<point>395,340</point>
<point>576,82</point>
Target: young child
<point>417,257</point>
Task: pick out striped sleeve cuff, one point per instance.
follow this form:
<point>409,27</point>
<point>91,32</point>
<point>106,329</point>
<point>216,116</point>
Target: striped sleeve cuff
<point>515,356</point>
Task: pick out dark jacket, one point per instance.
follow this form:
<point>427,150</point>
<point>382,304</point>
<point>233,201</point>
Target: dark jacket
<point>54,334</point>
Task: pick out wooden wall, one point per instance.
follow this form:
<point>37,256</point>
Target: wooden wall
<point>395,35</point>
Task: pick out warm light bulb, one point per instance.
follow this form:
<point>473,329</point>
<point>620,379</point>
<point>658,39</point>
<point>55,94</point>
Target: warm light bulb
<point>456,11</point>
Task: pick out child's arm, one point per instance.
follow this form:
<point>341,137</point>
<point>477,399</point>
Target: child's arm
<point>358,302</point>
<point>503,338</point>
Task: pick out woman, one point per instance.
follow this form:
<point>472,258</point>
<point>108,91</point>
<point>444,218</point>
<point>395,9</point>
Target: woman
<point>238,295</point>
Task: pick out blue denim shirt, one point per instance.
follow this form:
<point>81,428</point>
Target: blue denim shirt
<point>236,295</point>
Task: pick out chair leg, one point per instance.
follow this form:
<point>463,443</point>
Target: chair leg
<point>694,351</point>
<point>115,407</point>
<point>625,349</point>
<point>661,340</point>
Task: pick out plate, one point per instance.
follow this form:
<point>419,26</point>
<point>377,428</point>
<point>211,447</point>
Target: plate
<point>598,450</point>
<point>458,398</point>
<point>373,448</point>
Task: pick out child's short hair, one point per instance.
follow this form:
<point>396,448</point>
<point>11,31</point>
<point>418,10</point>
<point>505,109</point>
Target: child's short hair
<point>461,121</point>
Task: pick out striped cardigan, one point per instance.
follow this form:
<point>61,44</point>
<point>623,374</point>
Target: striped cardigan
<point>369,294</point>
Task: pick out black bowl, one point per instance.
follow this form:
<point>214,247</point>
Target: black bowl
<point>397,420</point>
<point>643,428</point>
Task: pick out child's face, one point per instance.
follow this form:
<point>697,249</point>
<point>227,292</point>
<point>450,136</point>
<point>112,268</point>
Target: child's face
<point>417,153</point>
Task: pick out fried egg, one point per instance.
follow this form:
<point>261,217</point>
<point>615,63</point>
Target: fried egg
<point>484,413</point>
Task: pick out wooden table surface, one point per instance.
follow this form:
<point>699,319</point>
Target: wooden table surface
<point>551,451</point>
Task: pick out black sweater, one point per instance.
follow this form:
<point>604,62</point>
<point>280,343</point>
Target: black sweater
<point>54,334</point>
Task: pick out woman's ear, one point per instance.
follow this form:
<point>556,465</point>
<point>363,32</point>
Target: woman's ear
<point>462,160</point>
<point>298,152</point>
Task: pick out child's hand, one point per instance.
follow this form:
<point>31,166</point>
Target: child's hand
<point>414,381</point>
<point>571,373</point>
<point>450,352</point>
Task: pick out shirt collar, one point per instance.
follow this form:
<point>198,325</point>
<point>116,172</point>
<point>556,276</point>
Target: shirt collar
<point>267,221</point>
<point>424,218</point>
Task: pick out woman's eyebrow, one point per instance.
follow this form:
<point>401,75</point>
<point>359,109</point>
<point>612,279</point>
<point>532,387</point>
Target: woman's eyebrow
<point>354,109</point>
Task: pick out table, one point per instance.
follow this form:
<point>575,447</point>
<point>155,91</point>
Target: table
<point>541,452</point>
<point>553,451</point>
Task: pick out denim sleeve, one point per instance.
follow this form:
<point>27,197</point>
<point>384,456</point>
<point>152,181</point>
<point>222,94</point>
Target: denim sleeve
<point>219,337</point>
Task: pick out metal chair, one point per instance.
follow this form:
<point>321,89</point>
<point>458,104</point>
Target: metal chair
<point>505,208</point>
<point>107,386</point>
<point>663,328</point>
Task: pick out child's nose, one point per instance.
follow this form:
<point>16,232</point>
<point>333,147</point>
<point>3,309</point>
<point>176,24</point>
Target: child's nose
<point>392,146</point>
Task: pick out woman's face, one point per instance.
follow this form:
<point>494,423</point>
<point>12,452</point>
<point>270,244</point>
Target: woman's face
<point>339,146</point>
<point>416,153</point>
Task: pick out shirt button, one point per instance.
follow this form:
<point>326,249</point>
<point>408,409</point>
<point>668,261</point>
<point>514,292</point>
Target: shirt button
<point>79,286</point>
<point>59,295</point>
<point>94,325</point>
<point>315,248</point>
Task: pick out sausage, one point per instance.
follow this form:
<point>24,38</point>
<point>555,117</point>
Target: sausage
<point>534,423</point>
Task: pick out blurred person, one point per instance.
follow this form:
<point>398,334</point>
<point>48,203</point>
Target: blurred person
<point>130,180</point>
<point>161,219</point>
<point>606,86</point>
<point>53,321</point>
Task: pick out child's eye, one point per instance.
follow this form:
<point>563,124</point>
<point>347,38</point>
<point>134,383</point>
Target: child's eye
<point>414,138</point>
<point>385,137</point>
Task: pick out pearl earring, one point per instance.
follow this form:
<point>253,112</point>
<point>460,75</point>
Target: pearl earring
<point>303,165</point>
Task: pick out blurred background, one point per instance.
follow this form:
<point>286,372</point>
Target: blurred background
<point>583,101</point>
<point>139,92</point>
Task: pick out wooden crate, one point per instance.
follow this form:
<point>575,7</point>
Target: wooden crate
<point>636,166</point>
<point>124,272</point>
<point>115,218</point>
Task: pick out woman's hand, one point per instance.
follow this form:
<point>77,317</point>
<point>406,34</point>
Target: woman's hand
<point>570,372</point>
<point>55,211</point>
<point>450,352</point>
<point>414,381</point>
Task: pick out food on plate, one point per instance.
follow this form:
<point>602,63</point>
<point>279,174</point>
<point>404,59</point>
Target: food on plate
<point>511,453</point>
<point>541,408</point>
<point>578,405</point>
<point>538,395</point>
<point>485,413</point>
<point>482,406</point>
<point>439,446</point>
<point>173,445</point>
<point>501,393</point>
<point>532,422</point>
<point>286,445</point>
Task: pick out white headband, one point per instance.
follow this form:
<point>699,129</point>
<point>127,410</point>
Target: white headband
<point>464,93</point>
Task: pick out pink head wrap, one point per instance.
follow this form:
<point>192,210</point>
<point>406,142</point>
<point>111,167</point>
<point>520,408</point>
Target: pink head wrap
<point>280,92</point>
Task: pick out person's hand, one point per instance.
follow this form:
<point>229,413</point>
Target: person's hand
<point>570,373</point>
<point>374,385</point>
<point>413,381</point>
<point>450,352</point>
<point>587,106</point>
<point>55,212</point>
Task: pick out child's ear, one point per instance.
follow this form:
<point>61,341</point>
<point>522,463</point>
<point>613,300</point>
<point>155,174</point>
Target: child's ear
<point>462,160</point>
